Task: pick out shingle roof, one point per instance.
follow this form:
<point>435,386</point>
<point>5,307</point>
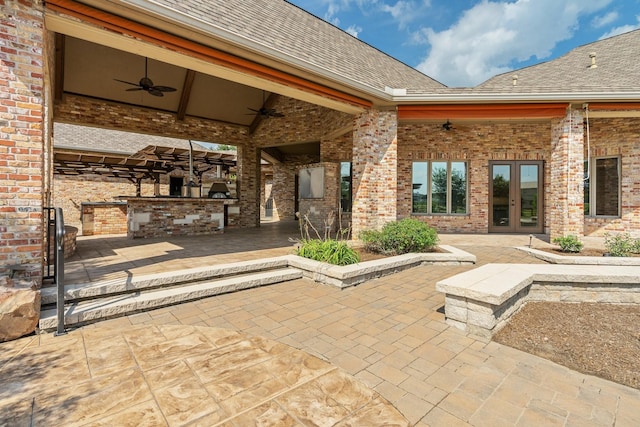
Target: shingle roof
<point>107,140</point>
<point>281,27</point>
<point>617,70</point>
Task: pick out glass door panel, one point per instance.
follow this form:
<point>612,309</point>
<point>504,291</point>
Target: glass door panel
<point>529,189</point>
<point>501,196</point>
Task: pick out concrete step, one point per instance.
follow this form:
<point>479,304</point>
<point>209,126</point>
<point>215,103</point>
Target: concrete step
<point>86,311</point>
<point>81,291</point>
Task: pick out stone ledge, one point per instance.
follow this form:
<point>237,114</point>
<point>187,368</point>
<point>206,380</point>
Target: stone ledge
<point>580,260</point>
<point>481,301</point>
<point>354,274</point>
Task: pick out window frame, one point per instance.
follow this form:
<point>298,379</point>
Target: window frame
<point>591,179</point>
<point>350,182</point>
<point>429,186</point>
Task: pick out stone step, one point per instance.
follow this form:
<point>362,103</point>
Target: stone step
<point>80,291</point>
<point>86,311</point>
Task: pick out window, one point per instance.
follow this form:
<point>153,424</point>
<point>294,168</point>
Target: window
<point>602,187</point>
<point>345,186</point>
<point>439,187</point>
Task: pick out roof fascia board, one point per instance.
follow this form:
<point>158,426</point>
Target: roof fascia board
<point>572,97</point>
<point>482,111</point>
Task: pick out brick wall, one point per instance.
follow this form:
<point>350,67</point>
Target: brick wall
<point>283,185</point>
<point>477,145</point>
<point>302,122</point>
<point>374,169</point>
<point>92,112</point>
<point>322,213</point>
<point>565,186</point>
<point>104,218</point>
<point>618,137</point>
<point>21,135</point>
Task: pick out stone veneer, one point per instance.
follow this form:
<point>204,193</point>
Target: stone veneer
<point>161,217</point>
<point>22,137</point>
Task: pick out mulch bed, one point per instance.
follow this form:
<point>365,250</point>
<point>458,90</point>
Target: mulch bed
<point>592,338</point>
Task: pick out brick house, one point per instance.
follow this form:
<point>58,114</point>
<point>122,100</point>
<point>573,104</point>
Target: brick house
<point>552,148</point>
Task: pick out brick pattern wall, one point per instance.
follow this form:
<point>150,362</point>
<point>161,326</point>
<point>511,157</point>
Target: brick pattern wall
<point>374,170</point>
<point>108,218</point>
<point>69,192</point>
<point>477,145</point>
<point>283,188</point>
<point>338,149</point>
<point>565,211</point>
<point>618,137</point>
<point>322,213</point>
<point>81,110</point>
<point>21,136</point>
<point>302,122</point>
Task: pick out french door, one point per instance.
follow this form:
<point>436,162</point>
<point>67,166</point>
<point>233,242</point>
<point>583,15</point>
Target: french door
<point>515,197</point>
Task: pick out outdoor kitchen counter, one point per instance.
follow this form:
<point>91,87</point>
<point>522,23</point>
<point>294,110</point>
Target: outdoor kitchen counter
<point>178,216</point>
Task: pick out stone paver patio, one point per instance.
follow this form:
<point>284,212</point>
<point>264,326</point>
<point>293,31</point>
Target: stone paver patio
<point>387,335</point>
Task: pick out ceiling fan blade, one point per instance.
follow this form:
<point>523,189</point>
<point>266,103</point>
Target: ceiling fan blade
<point>124,81</point>
<point>164,88</point>
<point>133,89</point>
<point>153,91</point>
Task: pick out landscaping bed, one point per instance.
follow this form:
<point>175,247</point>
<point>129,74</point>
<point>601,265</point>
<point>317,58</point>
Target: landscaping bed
<point>593,338</point>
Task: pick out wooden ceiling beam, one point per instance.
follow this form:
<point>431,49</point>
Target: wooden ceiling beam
<point>185,95</point>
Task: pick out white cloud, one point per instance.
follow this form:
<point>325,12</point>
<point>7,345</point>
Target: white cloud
<point>491,35</point>
<point>604,20</point>
<point>354,30</point>
<point>620,30</point>
<point>403,11</point>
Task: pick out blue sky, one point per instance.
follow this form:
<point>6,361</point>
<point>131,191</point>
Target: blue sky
<point>464,42</point>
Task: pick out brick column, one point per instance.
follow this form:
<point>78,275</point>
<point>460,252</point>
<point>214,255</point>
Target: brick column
<point>248,185</point>
<point>22,42</point>
<point>375,169</point>
<point>566,189</point>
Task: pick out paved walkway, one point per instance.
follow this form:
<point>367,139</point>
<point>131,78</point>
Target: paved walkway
<point>388,334</point>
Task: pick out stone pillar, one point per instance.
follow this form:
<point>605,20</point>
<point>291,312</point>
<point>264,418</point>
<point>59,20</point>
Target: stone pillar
<point>248,185</point>
<point>566,189</point>
<point>375,170</point>
<point>22,111</point>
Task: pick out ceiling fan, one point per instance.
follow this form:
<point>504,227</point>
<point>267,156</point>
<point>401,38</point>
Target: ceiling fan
<point>147,85</point>
<point>266,111</point>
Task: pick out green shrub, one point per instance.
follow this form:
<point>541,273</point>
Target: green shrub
<point>400,237</point>
<point>569,243</point>
<point>620,244</point>
<point>329,251</point>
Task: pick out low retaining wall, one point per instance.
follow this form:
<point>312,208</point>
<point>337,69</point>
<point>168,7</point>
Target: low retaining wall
<point>482,300</point>
<point>354,274</point>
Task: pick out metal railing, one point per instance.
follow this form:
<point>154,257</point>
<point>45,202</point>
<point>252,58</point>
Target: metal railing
<point>55,249</point>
